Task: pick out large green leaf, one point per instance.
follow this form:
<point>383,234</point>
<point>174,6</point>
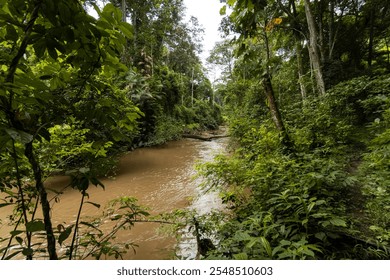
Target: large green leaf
<point>19,136</point>
<point>65,234</point>
<point>35,225</point>
<point>27,251</point>
<point>11,33</point>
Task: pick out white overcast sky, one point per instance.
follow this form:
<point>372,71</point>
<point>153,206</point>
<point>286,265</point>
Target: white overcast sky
<point>207,12</point>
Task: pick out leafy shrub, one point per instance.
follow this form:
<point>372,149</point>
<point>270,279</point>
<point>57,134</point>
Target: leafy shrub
<point>297,205</point>
<point>167,128</point>
<point>374,173</point>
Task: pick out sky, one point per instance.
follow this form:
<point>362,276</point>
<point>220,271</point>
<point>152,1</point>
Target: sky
<point>207,12</point>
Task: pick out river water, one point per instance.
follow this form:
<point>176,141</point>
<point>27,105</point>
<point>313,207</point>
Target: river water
<point>161,178</point>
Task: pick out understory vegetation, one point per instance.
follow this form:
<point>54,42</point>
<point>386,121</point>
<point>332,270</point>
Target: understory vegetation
<point>307,176</point>
<point>327,198</point>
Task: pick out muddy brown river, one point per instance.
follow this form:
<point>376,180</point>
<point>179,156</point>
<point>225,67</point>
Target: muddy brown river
<point>161,178</point>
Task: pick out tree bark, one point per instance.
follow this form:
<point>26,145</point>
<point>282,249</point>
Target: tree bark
<point>292,12</point>
<point>204,138</point>
<point>273,107</point>
<point>313,49</point>
<point>275,113</point>
<point>371,39</point>
<point>321,40</point>
<point>300,69</point>
<point>331,29</point>
<point>123,8</point>
<point>51,241</point>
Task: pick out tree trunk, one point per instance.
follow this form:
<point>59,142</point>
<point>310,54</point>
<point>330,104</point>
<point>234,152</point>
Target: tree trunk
<point>274,110</point>
<point>298,47</point>
<point>331,30</point>
<point>321,40</point>
<point>300,69</point>
<point>51,241</point>
<point>371,39</point>
<point>313,49</point>
<point>123,7</point>
<point>275,113</point>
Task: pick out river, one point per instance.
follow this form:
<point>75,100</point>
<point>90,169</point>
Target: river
<point>161,178</point>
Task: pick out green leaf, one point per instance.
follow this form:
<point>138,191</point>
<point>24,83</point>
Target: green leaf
<point>222,11</point>
<point>16,232</point>
<point>94,204</point>
<point>46,77</point>
<point>90,225</point>
<point>12,255</point>
<point>5,204</point>
<point>266,245</point>
<point>65,234</point>
<point>252,243</point>
<point>97,182</point>
<point>53,53</point>
<point>285,242</point>
<point>27,251</point>
<point>308,252</point>
<point>241,236</point>
<point>320,235</point>
<point>240,256</point>
<point>19,136</point>
<point>84,170</point>
<point>19,240</point>
<point>338,222</point>
<point>231,2</point>
<point>310,207</point>
<point>40,48</point>
<point>116,217</point>
<point>11,33</point>
<point>34,226</point>
<point>45,134</point>
<point>126,30</point>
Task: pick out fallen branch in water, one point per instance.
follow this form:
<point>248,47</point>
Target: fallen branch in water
<point>204,138</point>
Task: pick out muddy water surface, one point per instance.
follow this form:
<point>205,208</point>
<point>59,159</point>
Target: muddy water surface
<point>161,178</point>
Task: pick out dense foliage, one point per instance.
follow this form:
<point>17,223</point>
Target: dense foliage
<point>307,177</point>
<point>75,91</point>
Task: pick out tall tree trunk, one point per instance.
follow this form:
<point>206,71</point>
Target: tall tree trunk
<point>51,241</point>
<point>273,107</point>
<point>275,113</point>
<point>313,49</point>
<point>331,29</point>
<point>123,8</point>
<point>270,95</point>
<point>321,40</point>
<point>371,39</point>
<point>301,72</point>
<point>292,11</point>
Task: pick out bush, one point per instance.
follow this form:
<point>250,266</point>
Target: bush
<point>305,204</point>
